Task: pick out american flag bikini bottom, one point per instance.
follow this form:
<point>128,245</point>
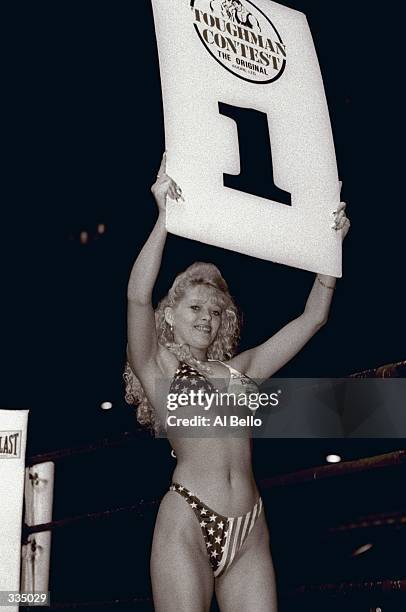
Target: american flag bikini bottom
<point>224,536</point>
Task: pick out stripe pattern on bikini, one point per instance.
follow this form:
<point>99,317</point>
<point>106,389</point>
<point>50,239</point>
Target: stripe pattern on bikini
<point>224,536</point>
<point>238,529</point>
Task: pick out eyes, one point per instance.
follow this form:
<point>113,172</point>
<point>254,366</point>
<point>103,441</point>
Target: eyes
<point>197,307</point>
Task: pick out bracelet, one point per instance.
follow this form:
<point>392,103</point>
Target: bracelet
<point>324,285</point>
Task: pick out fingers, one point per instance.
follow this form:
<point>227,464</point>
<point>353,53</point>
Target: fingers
<point>165,186</point>
<point>340,218</point>
<point>340,221</point>
<point>340,207</point>
<point>179,195</point>
<point>175,192</point>
<point>172,193</point>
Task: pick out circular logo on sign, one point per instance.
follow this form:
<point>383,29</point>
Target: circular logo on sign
<point>241,38</point>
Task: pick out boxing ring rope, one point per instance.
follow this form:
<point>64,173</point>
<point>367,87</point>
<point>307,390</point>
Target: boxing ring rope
<point>352,587</point>
<point>390,370</point>
<point>38,524</point>
<point>138,510</point>
<point>102,444</point>
<point>390,519</point>
<point>396,458</point>
<point>33,551</point>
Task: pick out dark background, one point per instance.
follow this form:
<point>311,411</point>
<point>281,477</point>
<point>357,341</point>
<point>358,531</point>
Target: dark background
<point>86,137</point>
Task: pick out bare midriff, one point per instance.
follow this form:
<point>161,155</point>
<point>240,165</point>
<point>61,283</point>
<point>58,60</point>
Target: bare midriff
<point>218,471</point>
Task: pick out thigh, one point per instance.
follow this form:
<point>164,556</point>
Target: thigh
<point>182,578</point>
<point>249,584</point>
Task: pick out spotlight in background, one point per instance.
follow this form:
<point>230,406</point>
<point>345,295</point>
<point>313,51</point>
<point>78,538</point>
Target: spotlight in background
<point>106,406</point>
<point>361,550</point>
<point>333,458</point>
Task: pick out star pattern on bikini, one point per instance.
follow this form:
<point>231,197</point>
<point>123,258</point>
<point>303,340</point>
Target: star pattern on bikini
<point>189,379</point>
<point>213,526</point>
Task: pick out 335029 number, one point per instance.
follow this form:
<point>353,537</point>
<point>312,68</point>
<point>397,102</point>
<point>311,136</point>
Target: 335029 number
<point>30,598</point>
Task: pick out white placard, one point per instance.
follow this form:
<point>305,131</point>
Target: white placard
<point>13,436</point>
<point>251,55</point>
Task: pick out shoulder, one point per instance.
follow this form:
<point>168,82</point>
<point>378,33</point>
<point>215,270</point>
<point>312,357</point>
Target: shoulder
<point>162,365</point>
<point>239,362</point>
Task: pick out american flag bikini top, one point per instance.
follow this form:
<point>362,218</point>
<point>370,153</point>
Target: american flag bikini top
<point>188,378</point>
<point>224,536</point>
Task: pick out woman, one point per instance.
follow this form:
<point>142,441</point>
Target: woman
<point>216,537</point>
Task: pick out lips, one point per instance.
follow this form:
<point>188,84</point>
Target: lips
<point>203,328</point>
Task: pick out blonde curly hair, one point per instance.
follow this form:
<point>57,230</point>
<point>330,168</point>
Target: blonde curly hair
<point>222,348</point>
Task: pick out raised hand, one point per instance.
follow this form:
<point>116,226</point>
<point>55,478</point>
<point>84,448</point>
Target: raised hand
<point>341,221</point>
<point>164,187</point>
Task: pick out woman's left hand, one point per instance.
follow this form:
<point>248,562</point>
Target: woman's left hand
<point>341,221</point>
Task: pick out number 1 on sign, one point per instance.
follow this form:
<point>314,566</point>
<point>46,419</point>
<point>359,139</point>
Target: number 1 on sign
<point>255,151</point>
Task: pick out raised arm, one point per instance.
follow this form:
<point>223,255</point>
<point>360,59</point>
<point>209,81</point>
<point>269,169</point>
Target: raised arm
<point>266,359</point>
<point>142,338</point>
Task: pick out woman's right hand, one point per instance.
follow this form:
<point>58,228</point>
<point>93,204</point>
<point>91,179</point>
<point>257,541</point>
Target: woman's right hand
<point>164,187</point>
